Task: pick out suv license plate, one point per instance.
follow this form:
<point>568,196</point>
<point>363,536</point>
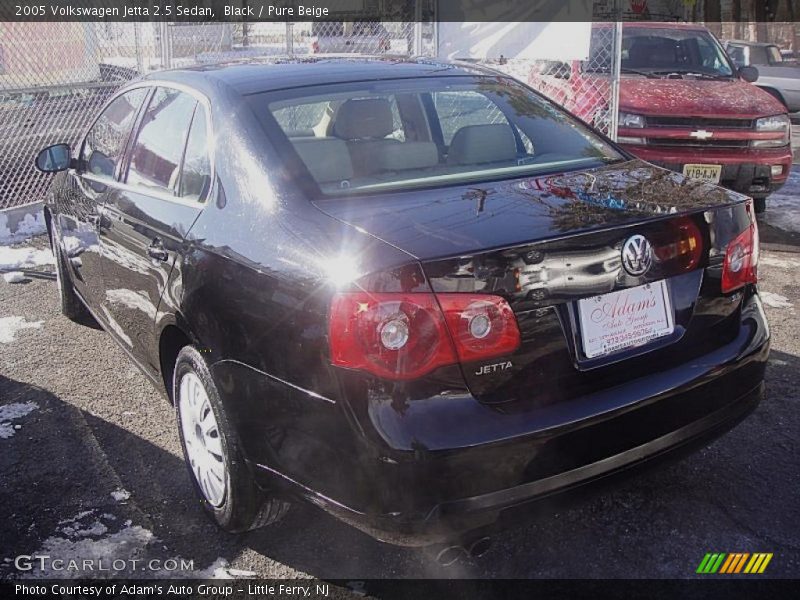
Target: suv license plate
<point>624,319</point>
<point>709,173</point>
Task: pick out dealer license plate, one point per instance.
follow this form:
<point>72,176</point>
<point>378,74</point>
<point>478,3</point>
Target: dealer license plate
<point>709,173</point>
<point>619,320</point>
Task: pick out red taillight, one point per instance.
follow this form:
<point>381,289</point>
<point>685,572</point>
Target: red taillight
<point>405,336</point>
<point>682,244</point>
<point>482,326</point>
<point>740,266</point>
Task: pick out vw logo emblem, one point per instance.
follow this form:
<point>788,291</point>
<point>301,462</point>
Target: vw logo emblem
<point>637,255</point>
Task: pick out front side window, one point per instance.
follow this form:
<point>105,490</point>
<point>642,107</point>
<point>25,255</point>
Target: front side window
<point>405,134</point>
<point>737,55</point>
<point>105,143</point>
<point>158,149</point>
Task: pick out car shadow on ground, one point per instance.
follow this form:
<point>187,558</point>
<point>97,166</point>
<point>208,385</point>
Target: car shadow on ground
<point>64,460</point>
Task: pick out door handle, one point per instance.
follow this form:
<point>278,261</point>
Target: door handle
<point>156,251</point>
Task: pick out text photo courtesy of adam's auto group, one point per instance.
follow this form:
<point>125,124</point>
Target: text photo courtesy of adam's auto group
<point>371,296</point>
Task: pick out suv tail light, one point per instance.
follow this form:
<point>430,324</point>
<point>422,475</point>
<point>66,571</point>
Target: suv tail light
<point>740,266</point>
<point>404,336</point>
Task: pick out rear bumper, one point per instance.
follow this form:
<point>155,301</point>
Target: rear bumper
<point>744,172</point>
<point>423,496</point>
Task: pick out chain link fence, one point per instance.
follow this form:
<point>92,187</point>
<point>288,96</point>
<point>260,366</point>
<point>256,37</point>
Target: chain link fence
<point>54,77</point>
<point>583,87</point>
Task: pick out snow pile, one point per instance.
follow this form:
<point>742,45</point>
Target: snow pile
<point>9,326</point>
<point>783,210</point>
<point>124,545</point>
<point>775,300</point>
<point>24,258</point>
<point>14,277</point>
<point>120,495</point>
<point>10,412</point>
<point>29,226</point>
<point>221,569</point>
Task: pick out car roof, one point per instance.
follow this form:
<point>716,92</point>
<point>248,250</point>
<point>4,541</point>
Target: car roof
<point>255,75</point>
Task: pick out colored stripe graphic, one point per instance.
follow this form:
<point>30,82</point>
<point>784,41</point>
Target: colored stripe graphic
<point>741,562</point>
<point>703,564</point>
<point>731,560</point>
<point>734,563</point>
<point>758,563</point>
<point>728,564</point>
<point>711,563</point>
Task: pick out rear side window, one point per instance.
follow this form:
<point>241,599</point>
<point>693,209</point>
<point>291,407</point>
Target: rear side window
<point>104,144</point>
<point>158,149</point>
<point>759,55</point>
<point>196,172</point>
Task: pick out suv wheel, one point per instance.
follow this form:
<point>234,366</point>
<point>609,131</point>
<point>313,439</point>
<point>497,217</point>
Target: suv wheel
<point>213,455</point>
<point>760,205</point>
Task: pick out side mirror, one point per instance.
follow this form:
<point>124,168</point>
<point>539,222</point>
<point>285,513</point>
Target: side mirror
<point>748,74</point>
<point>54,158</point>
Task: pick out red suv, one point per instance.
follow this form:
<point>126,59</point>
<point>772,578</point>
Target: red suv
<point>683,105</point>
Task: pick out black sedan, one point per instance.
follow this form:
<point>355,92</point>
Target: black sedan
<point>412,293</point>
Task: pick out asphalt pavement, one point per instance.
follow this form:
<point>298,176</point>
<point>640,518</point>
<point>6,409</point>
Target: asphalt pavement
<point>90,465</point>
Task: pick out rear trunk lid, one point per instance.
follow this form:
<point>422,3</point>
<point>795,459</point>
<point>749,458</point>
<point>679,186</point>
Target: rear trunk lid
<point>547,243</point>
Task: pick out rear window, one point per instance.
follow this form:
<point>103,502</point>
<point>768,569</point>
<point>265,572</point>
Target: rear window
<point>405,134</point>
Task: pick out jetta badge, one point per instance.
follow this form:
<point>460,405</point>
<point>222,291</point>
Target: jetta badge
<point>637,255</point>
<point>701,134</point>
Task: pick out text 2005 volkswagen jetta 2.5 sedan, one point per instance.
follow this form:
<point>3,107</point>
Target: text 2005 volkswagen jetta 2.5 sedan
<point>412,293</point>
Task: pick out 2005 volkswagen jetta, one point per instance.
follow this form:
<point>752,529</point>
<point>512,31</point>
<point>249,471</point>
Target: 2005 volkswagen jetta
<point>412,293</point>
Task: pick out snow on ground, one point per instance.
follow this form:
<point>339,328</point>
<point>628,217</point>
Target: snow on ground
<point>79,542</point>
<point>783,207</point>
<point>14,276</point>
<point>10,412</point>
<point>9,326</point>
<point>24,257</point>
<point>120,495</point>
<point>29,226</point>
<point>775,300</point>
<point>220,569</point>
<point>114,550</point>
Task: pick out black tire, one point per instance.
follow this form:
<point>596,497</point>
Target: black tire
<point>71,306</point>
<point>760,205</point>
<point>244,506</point>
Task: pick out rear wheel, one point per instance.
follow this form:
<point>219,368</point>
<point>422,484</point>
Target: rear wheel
<point>71,305</point>
<point>221,477</point>
<point>760,205</point>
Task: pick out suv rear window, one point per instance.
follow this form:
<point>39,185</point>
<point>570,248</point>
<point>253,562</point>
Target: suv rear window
<point>403,134</point>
